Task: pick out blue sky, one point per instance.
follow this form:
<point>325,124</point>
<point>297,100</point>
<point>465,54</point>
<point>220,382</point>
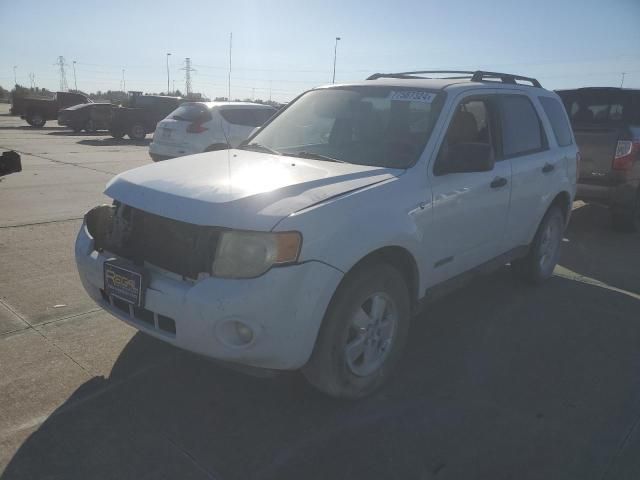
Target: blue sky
<point>287,46</point>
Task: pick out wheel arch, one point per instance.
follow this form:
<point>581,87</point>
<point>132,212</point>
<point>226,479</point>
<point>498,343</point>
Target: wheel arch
<point>397,257</point>
<point>563,201</point>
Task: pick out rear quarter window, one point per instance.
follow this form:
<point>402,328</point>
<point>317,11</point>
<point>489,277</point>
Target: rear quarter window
<point>557,117</point>
<point>522,132</point>
<point>247,117</point>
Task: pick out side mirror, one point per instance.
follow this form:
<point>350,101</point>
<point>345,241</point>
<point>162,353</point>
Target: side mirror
<point>10,163</point>
<point>467,158</point>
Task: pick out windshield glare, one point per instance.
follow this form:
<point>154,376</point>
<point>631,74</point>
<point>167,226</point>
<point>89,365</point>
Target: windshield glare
<point>377,126</point>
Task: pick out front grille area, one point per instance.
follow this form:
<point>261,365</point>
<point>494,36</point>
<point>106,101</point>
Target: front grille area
<point>141,315</point>
<point>139,236</point>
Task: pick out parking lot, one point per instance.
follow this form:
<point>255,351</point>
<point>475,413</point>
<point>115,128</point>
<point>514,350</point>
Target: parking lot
<point>499,380</point>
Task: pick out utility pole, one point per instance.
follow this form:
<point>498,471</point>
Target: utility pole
<point>123,84</point>
<point>187,75</point>
<point>168,55</point>
<point>269,90</point>
<point>230,45</point>
<point>32,80</point>
<point>174,87</point>
<point>15,78</point>
<point>335,54</point>
<point>622,80</point>
<point>63,76</point>
<point>75,80</point>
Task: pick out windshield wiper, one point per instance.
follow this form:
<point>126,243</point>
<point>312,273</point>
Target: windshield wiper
<point>259,148</point>
<point>314,156</point>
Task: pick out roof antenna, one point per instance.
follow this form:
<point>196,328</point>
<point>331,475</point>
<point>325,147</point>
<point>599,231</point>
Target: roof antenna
<point>226,139</point>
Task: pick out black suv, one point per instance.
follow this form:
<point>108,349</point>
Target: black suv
<point>142,115</point>
<point>606,123</point>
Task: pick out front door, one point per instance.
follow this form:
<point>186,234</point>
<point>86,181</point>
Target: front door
<point>470,209</point>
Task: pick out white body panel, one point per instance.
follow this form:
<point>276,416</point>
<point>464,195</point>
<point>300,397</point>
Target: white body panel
<point>171,138</point>
<point>344,212</point>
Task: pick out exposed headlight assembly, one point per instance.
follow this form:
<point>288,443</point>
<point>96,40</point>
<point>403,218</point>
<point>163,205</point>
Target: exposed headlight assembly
<point>242,254</point>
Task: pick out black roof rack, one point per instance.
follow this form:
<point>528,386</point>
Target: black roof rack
<point>474,76</point>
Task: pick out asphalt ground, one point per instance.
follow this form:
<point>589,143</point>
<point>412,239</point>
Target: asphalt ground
<point>499,381</point>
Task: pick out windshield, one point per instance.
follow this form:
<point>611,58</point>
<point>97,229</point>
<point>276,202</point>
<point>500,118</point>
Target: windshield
<point>378,126</point>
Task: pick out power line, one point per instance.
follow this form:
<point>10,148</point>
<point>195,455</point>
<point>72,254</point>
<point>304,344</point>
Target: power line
<point>63,76</point>
<point>187,75</point>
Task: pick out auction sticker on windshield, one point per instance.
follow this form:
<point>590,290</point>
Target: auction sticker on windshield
<point>412,96</point>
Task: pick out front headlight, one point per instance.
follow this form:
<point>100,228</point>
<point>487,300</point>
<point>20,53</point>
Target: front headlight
<point>243,254</point>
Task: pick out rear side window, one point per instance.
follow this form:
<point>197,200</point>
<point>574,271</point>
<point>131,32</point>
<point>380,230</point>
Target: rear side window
<point>558,119</point>
<point>521,129</point>
<point>246,117</point>
<point>191,112</point>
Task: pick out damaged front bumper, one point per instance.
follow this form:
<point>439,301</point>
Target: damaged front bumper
<point>282,309</point>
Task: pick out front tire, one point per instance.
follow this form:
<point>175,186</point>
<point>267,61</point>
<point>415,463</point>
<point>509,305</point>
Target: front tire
<point>137,132</point>
<point>116,134</point>
<point>363,333</point>
<point>544,252</point>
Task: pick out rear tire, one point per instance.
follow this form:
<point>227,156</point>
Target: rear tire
<point>363,333</point>
<point>36,119</point>
<point>627,219</point>
<point>137,132</point>
<point>90,126</point>
<point>544,251</point>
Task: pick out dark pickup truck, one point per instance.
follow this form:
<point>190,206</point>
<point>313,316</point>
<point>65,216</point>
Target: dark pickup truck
<point>606,124</point>
<point>36,111</point>
<point>142,115</point>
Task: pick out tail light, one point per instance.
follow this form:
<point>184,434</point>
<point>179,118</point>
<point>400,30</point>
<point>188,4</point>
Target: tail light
<point>196,128</point>
<point>626,151</point>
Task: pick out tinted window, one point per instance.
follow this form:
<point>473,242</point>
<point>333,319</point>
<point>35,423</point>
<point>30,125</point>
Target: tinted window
<point>470,124</point>
<point>247,117</point>
<point>556,114</point>
<point>191,112</point>
<point>521,129</point>
<point>263,114</point>
<point>635,110</point>
<point>595,106</point>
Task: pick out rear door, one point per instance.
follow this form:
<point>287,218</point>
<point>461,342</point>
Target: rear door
<point>537,171</point>
<point>597,117</point>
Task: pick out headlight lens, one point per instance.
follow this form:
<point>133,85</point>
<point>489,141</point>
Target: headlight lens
<point>250,254</point>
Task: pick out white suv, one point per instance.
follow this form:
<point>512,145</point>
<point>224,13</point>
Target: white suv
<point>197,127</point>
<point>312,246</point>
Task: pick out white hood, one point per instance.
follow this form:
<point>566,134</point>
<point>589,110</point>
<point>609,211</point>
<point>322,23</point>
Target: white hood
<point>238,188</point>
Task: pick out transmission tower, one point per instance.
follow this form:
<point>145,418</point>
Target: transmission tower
<point>32,79</point>
<point>187,75</point>
<point>63,77</point>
